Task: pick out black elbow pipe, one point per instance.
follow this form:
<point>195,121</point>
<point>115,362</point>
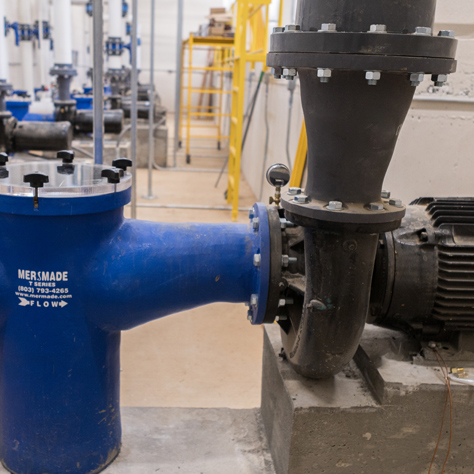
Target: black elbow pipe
<point>359,62</point>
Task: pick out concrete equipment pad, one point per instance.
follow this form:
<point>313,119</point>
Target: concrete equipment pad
<point>381,415</point>
<point>191,441</point>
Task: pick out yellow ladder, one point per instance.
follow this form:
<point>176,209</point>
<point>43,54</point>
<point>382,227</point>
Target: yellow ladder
<point>251,17</point>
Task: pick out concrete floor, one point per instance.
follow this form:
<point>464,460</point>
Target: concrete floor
<point>206,358</point>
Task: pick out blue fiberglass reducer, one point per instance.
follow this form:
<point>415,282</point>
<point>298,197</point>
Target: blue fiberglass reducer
<point>75,274</point>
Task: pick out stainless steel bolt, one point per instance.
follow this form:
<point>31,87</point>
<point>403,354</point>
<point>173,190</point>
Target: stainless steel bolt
<point>301,199</point>
<point>386,194</point>
<point>254,300</point>
<point>257,259</point>
<point>256,223</point>
<point>439,79</point>
<point>277,72</point>
<point>294,191</point>
<point>281,318</point>
<point>328,27</point>
<point>423,31</point>
<point>447,33</point>
<point>290,73</point>
<point>286,223</point>
<point>335,206</point>
<point>292,28</point>
<point>378,29</point>
<point>373,77</point>
<point>396,202</point>
<point>376,206</point>
<point>284,301</point>
<point>324,74</point>
<point>278,29</point>
<point>286,260</point>
<point>416,79</point>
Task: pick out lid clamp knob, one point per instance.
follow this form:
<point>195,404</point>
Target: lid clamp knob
<point>113,175</point>
<point>36,181</point>
<point>122,164</point>
<point>68,158</point>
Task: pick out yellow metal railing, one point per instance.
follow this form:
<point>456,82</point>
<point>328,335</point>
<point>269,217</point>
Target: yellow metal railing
<point>251,19</point>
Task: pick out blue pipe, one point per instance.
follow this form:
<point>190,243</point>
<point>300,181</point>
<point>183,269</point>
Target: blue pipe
<point>75,274</point>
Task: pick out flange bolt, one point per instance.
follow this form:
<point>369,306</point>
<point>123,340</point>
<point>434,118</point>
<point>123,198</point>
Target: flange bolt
<point>335,206</point>
<point>396,202</point>
<point>373,77</point>
<point>423,31</point>
<point>256,223</point>
<point>376,206</point>
<point>324,74</point>
<point>294,191</point>
<point>329,27</point>
<point>286,261</point>
<point>289,73</point>
<point>292,28</point>
<point>416,79</point>
<point>277,72</point>
<point>447,33</point>
<point>378,29</point>
<point>439,79</point>
<point>301,199</point>
<point>386,194</point>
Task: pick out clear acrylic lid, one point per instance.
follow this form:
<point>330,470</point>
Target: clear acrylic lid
<point>78,180</point>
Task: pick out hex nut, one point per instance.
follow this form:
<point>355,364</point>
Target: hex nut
<point>378,29</point>
<point>292,28</point>
<point>447,33</point>
<point>375,75</point>
<point>324,74</point>
<point>416,78</point>
<point>256,223</point>
<point>279,29</point>
<point>396,202</point>
<point>376,206</point>
<point>294,191</point>
<point>290,71</point>
<point>254,300</point>
<point>328,27</point>
<point>286,260</point>
<point>251,213</point>
<point>439,79</point>
<point>423,31</point>
<point>301,198</point>
<point>277,72</point>
<point>335,206</point>
<point>386,194</point>
<point>257,259</point>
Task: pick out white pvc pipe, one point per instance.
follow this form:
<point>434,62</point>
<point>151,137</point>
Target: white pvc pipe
<point>26,49</point>
<point>62,32</point>
<point>115,29</point>
<point>4,70</point>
